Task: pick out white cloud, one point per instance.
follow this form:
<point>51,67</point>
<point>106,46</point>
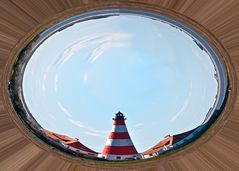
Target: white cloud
<point>56,80</point>
<point>93,134</point>
<point>43,82</point>
<point>184,106</point>
<point>159,34</point>
<point>108,41</point>
<point>77,123</point>
<point>97,52</point>
<point>102,42</point>
<point>52,116</point>
<point>73,48</point>
<point>103,133</point>
<point>89,131</point>
<point>63,109</point>
<point>196,53</point>
<point>135,131</point>
<point>85,77</point>
<point>138,125</point>
<point>46,73</point>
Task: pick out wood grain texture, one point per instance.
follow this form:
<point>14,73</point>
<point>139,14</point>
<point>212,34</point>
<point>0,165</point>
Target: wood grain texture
<point>218,149</point>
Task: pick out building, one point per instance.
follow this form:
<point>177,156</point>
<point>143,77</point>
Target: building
<point>165,144</point>
<point>70,143</point>
<point>119,145</point>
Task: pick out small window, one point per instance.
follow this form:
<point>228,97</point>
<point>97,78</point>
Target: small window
<point>118,157</point>
<point>167,143</point>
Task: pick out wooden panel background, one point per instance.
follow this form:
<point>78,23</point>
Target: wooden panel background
<point>219,152</point>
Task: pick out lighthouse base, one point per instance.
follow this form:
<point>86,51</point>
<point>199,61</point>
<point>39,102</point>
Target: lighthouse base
<point>120,157</point>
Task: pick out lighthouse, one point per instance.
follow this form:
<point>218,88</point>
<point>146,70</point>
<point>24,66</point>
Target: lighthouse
<point>119,145</point>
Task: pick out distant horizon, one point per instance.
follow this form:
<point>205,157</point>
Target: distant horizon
<point>156,75</point>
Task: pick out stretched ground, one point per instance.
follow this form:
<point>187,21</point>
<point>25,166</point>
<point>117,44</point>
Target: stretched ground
<point>216,20</point>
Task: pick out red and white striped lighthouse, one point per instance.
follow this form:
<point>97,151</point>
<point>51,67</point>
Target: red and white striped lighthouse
<point>119,145</point>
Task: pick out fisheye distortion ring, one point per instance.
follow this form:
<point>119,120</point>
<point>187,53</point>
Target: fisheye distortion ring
<point>16,81</point>
<point>171,161</point>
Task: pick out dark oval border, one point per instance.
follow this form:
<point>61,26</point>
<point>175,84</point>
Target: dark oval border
<point>213,41</point>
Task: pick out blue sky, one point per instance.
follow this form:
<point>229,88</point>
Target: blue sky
<point>155,74</point>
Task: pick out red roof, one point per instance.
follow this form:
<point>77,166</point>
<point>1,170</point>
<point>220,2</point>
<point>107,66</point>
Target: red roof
<point>68,141</point>
<point>168,141</point>
<point>178,137</point>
